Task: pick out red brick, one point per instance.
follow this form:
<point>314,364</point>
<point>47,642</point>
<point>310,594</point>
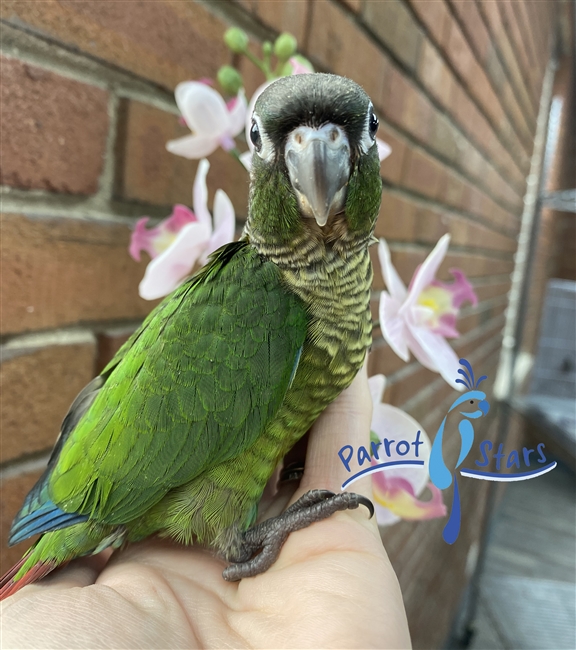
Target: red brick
<point>418,115</point>
<point>38,387</point>
<point>491,290</point>
<point>166,42</point>
<point>382,360</point>
<point>421,173</point>
<point>285,16</point>
<point>458,50</point>
<point>394,25</point>
<point>472,162</point>
<point>510,20</point>
<point>451,190</point>
<point>391,167</point>
<point>444,138</point>
<point>108,343</point>
<point>355,5</point>
<point>341,47</point>
<point>468,233</point>
<point>249,5</point>
<point>395,98</point>
<point>475,29</point>
<point>148,173</point>
<point>14,490</point>
<point>63,271</point>
<point>434,73</point>
<point>397,218</point>
<point>53,130</point>
<point>434,16</point>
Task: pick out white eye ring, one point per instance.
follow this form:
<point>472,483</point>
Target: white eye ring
<point>367,140</point>
<point>267,150</point>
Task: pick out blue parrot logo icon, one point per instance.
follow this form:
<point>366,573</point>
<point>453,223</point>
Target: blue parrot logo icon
<point>440,475</point>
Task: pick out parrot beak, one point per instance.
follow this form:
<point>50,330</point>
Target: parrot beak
<point>318,162</point>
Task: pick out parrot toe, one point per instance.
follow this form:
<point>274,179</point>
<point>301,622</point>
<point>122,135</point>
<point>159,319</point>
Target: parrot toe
<point>268,537</point>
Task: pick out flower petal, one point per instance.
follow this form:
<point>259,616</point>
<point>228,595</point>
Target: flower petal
<point>384,149</point>
<point>224,222</point>
<point>246,159</point>
<point>393,326</point>
<point>398,503</point>
<point>237,115</point>
<point>434,352</point>
<point>181,215</point>
<point>200,194</point>
<point>426,273</point>
<point>393,282</point>
<point>203,108</point>
<point>166,272</point>
<point>140,239</point>
<point>193,146</point>
<point>396,489</point>
<point>300,65</point>
<point>377,385</point>
<point>461,290</point>
<point>446,326</point>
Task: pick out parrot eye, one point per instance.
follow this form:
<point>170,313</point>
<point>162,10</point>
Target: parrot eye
<point>255,136</point>
<point>471,401</point>
<point>373,125</point>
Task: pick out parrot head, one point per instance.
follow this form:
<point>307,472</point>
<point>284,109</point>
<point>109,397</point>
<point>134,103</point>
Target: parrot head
<point>315,162</point>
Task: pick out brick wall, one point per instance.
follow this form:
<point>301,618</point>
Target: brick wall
<point>86,110</point>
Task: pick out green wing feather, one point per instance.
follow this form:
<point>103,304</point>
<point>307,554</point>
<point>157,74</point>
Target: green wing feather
<point>194,386</point>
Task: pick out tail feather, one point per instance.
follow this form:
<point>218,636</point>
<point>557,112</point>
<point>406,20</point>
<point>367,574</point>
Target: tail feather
<point>9,584</point>
<point>57,548</point>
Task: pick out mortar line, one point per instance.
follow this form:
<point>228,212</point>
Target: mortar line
<point>29,46</point>
<point>465,30</point>
<point>462,81</point>
<point>476,182</point>
<point>426,201</point>
<point>409,74</point>
<point>105,192</point>
<point>221,10</point>
<point>505,66</point>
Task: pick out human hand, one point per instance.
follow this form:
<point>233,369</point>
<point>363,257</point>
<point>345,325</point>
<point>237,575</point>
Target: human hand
<point>332,585</point>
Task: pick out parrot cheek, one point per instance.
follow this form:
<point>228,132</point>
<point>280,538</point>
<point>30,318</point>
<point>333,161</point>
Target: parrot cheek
<point>318,162</point>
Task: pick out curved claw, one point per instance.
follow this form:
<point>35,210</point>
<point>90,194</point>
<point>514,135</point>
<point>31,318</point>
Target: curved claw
<point>366,502</point>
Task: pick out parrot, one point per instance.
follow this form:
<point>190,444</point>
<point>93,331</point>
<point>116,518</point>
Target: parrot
<point>180,433</point>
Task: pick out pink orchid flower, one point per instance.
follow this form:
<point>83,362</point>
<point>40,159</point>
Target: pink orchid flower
<point>182,240</point>
<point>419,319</point>
<point>396,489</point>
<point>213,122</point>
<point>300,65</point>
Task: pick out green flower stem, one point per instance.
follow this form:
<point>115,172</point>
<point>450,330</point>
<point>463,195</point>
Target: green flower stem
<point>236,154</point>
<point>281,63</point>
<point>256,61</point>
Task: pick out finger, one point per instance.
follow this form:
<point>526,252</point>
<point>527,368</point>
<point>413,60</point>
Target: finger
<point>345,422</point>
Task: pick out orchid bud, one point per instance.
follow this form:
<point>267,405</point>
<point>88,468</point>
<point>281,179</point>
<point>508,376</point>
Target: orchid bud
<point>285,46</point>
<point>267,48</point>
<point>229,79</point>
<point>296,65</point>
<point>236,39</point>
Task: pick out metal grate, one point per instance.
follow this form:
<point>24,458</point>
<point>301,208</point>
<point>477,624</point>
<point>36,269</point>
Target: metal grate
<point>555,367</point>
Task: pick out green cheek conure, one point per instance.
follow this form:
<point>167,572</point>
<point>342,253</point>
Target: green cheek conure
<point>181,431</point>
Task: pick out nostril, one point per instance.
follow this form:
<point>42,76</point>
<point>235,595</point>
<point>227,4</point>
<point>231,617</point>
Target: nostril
<point>298,138</point>
<point>334,135</point>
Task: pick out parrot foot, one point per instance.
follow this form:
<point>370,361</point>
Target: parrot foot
<point>268,537</point>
